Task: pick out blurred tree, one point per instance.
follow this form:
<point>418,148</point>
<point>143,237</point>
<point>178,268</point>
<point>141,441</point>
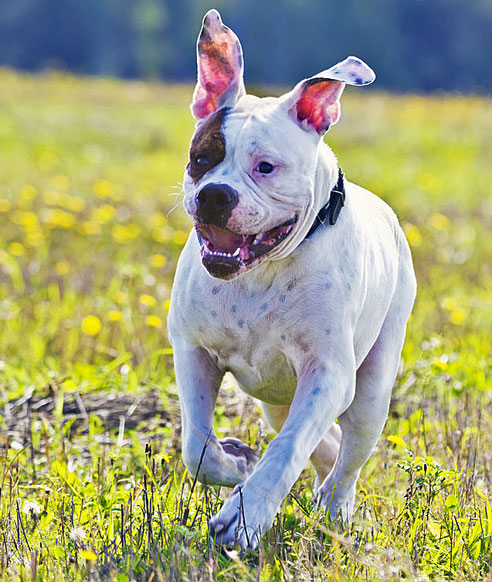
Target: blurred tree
<point>412,44</point>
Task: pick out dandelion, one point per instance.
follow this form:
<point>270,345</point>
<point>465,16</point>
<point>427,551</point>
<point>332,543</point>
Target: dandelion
<point>449,303</point>
<point>147,300</point>
<point>115,315</point>
<point>158,261</point>
<point>16,249</point>
<point>439,221</point>
<point>153,321</point>
<point>62,268</point>
<point>26,220</point>
<point>457,316</point>
<point>164,234</point>
<point>88,555</point>
<point>413,235</point>
<point>26,195</point>
<point>396,440</point>
<point>31,507</point>
<point>104,213</point>
<point>166,305</point>
<point>91,325</point>
<point>104,189</point>
<point>157,220</point>
<point>123,233</point>
<point>180,237</point>
<point>89,228</point>
<point>78,534</point>
<point>58,218</point>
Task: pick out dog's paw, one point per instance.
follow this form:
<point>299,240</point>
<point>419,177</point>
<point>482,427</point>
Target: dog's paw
<point>337,501</point>
<point>243,456</point>
<point>243,519</point>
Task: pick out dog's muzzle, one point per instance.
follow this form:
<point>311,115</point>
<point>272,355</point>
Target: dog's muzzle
<point>226,254</point>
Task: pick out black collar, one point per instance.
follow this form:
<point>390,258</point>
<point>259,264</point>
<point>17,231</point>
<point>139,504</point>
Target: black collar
<point>330,211</point>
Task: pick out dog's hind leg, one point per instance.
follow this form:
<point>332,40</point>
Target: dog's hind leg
<point>221,462</point>
<point>363,421</point>
<point>324,455</point>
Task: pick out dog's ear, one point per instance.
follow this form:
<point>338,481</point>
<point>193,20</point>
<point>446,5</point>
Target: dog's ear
<point>220,68</point>
<point>315,103</point>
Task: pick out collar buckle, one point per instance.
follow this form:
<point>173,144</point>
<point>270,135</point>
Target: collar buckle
<point>332,208</point>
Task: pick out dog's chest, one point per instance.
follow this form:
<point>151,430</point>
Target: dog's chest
<point>251,335</point>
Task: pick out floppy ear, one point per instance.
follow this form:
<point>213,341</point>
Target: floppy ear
<point>315,103</point>
<point>220,67</point>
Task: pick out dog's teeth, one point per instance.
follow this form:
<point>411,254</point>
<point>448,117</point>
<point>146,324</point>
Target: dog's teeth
<point>236,252</point>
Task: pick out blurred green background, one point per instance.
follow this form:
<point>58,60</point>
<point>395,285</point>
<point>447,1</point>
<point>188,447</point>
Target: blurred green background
<point>91,228</point>
<point>418,45</point>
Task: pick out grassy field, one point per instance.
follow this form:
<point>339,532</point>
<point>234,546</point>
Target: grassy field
<point>92,486</point>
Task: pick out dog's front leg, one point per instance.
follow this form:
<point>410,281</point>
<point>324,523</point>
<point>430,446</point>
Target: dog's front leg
<point>221,462</point>
<point>323,393</point>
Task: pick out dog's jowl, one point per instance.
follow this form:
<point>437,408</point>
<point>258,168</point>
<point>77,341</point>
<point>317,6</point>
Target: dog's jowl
<point>295,280</point>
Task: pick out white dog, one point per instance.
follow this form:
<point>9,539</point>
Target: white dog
<point>296,281</point>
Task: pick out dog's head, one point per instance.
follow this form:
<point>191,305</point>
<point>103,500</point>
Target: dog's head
<point>250,182</point>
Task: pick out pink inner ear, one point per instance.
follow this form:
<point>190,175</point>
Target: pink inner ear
<point>318,105</point>
<point>219,65</point>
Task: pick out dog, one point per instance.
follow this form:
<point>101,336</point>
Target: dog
<point>295,280</point>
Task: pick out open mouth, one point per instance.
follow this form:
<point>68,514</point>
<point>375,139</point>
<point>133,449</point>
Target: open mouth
<point>226,253</point>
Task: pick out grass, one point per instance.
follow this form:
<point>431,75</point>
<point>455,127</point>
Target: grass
<point>92,486</point>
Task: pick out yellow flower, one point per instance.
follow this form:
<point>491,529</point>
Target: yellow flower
<point>157,220</point>
<point>163,234</point>
<point>457,316</point>
<point>62,268</point>
<point>115,315</point>
<point>153,321</point>
<point>89,227</point>
<point>58,218</point>
<point>180,237</point>
<point>104,189</point>
<point>413,234</point>
<point>27,220</point>
<point>123,233</point>
<point>449,303</point>
<point>34,237</point>
<point>441,363</point>
<point>103,213</point>
<point>158,261</point>
<point>439,221</point>
<point>26,194</point>
<point>16,248</point>
<point>396,440</point>
<point>166,305</point>
<point>4,205</point>
<point>91,325</point>
<point>147,300</point>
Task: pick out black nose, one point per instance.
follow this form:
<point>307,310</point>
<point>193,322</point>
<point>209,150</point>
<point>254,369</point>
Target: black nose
<point>215,202</point>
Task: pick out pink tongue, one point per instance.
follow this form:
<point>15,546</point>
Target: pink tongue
<point>222,239</point>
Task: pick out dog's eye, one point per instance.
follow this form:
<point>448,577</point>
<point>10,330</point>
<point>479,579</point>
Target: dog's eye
<point>201,160</point>
<point>264,168</point>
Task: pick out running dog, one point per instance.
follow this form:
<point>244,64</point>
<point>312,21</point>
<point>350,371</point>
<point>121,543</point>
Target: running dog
<point>295,280</point>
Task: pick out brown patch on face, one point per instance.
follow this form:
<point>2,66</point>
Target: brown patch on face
<point>207,148</point>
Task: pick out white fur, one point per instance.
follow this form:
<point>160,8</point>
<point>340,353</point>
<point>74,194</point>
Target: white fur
<point>314,332</point>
